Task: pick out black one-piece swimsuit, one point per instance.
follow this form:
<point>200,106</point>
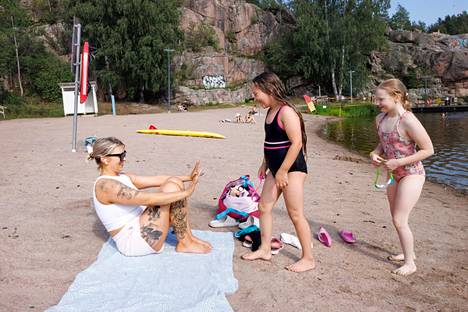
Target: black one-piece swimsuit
<point>276,147</point>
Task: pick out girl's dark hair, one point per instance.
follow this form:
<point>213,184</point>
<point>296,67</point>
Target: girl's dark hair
<point>270,84</point>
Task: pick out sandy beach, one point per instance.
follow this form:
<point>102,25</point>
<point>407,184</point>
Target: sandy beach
<point>49,231</point>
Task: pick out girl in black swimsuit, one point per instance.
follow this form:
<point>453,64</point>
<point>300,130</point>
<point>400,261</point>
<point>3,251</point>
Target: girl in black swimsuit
<point>284,160</point>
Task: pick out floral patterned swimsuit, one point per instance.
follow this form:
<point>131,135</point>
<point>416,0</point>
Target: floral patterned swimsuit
<point>396,146</point>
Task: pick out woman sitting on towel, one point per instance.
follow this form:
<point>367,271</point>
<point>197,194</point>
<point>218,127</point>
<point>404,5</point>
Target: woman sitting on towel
<point>139,221</point>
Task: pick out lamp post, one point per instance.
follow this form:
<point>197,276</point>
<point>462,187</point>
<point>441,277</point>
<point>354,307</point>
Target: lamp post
<point>351,85</point>
<point>168,77</point>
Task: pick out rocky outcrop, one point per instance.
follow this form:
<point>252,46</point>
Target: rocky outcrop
<point>242,30</point>
<point>188,96</point>
<point>438,60</point>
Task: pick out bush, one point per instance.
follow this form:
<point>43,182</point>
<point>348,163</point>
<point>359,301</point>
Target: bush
<point>201,36</point>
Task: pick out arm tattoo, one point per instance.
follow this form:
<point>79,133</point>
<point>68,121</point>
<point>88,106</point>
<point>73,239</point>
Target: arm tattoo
<point>179,218</point>
<point>126,192</point>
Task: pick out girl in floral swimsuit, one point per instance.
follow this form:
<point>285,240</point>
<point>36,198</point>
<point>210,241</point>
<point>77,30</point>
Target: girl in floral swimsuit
<point>399,133</point>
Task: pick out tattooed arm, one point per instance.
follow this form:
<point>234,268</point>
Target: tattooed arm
<point>113,192</point>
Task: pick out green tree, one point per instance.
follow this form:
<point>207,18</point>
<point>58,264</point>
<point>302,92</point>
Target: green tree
<point>451,24</point>
<point>331,38</point>
<point>129,38</point>
<point>41,71</point>
<point>400,20</point>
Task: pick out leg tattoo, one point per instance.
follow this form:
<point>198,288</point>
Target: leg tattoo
<point>149,232</point>
<point>179,218</point>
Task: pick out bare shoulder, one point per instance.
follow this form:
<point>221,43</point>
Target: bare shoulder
<point>410,120</point>
<point>106,185</point>
<point>379,118</point>
<point>288,113</point>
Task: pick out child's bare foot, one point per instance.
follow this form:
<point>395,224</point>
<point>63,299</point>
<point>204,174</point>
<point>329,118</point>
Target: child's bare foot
<point>302,265</point>
<point>259,254</point>
<point>400,257</point>
<point>191,246</point>
<point>405,270</point>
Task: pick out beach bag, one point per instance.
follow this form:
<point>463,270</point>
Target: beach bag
<point>241,197</point>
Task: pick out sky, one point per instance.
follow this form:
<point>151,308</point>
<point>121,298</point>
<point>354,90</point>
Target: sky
<point>429,11</point>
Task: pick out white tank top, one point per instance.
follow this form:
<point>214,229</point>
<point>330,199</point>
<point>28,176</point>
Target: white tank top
<point>114,216</point>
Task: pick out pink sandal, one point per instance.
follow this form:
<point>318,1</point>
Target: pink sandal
<point>347,237</point>
<point>276,246</point>
<point>324,237</point>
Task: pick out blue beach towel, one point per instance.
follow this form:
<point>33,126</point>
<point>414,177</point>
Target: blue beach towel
<point>161,282</point>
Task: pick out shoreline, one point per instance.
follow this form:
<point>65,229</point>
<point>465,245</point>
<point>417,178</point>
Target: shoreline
<point>319,133</point>
<point>49,231</point>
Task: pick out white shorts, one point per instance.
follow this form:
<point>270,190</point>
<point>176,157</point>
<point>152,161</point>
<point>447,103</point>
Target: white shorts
<point>130,243</point>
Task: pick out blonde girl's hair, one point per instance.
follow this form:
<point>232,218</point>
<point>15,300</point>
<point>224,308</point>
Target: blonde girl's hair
<point>397,90</point>
<point>272,85</point>
<point>103,147</point>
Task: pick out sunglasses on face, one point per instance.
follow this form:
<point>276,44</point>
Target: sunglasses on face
<point>120,155</point>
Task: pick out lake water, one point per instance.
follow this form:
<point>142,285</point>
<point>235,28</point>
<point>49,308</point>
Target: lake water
<point>448,165</point>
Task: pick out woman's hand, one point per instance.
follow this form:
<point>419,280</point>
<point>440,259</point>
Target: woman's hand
<point>193,184</point>
<point>281,178</point>
<point>376,160</point>
<point>195,170</point>
<point>392,164</point>
<point>262,171</point>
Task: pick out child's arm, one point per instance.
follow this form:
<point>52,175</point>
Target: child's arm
<point>378,150</point>
<point>418,134</point>
<point>414,130</point>
<point>292,126</point>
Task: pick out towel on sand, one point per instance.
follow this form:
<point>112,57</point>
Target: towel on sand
<point>169,281</point>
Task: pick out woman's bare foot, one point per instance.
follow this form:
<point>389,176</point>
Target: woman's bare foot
<point>259,254</point>
<point>191,246</point>
<point>405,270</point>
<point>400,257</point>
<point>201,241</point>
<point>302,265</point>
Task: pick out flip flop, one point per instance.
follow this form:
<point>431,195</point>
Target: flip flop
<point>251,220</point>
<point>247,241</point>
<point>291,240</point>
<point>324,237</point>
<point>226,222</point>
<point>276,246</point>
<point>347,236</point>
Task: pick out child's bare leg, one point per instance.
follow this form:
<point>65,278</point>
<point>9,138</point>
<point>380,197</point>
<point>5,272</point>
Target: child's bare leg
<point>189,229</point>
<point>270,194</point>
<point>409,190</point>
<point>294,199</point>
<point>391,195</point>
<point>178,219</point>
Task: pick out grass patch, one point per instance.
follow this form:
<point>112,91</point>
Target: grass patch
<point>357,109</point>
<point>32,108</point>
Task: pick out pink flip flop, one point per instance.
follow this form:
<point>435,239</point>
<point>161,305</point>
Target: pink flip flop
<point>324,237</point>
<point>276,246</point>
<point>347,237</point>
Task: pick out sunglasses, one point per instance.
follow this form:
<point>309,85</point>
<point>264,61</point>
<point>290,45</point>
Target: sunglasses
<point>120,155</point>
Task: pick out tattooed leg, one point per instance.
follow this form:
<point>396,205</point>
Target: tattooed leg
<point>154,226</point>
<point>179,218</point>
<point>185,206</point>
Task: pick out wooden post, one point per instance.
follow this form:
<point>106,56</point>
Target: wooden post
<point>17,57</point>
